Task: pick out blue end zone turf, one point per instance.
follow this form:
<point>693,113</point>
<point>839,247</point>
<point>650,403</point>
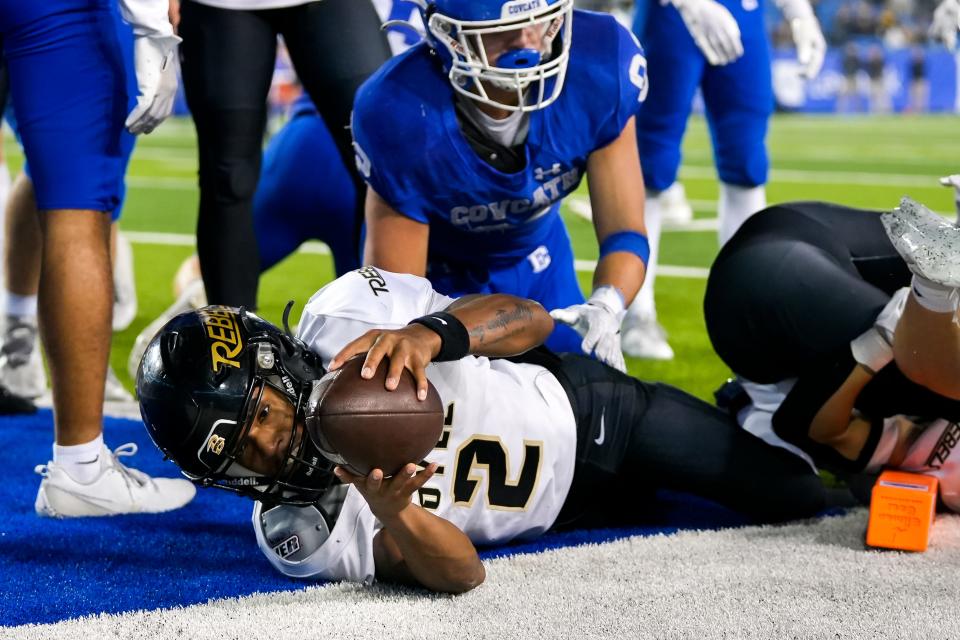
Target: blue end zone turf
<point>58,569</point>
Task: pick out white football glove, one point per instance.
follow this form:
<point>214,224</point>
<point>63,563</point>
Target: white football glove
<point>156,67</point>
<point>811,45</point>
<point>713,28</point>
<point>154,59</point>
<point>598,321</point>
<point>806,33</point>
<point>944,25</point>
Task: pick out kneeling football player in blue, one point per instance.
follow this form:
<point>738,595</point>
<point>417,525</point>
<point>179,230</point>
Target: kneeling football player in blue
<point>469,141</point>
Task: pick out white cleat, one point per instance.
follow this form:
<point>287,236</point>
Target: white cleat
<point>118,489</point>
<point>21,365</point>
<point>644,338</point>
<point>674,205</point>
<point>928,243</point>
<point>124,285</point>
<point>192,297</point>
<point>113,390</point>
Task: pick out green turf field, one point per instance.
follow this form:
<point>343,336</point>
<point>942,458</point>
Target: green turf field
<point>865,161</point>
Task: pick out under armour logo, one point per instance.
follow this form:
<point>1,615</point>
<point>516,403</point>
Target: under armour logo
<point>540,173</point>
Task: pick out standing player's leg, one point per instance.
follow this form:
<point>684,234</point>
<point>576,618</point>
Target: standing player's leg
<point>335,46</point>
<point>21,366</point>
<point>73,93</point>
<point>739,102</point>
<point>227,60</point>
<point>292,205</point>
<point>675,66</point>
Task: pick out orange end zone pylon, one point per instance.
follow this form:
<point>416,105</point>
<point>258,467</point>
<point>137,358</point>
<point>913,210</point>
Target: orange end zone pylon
<point>902,507</point>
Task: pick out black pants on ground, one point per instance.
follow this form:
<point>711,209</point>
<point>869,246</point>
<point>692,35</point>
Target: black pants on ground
<point>227,58</point>
<point>634,437</point>
<point>786,296</point>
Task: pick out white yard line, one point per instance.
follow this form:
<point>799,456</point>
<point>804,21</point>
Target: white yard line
<point>313,247</point>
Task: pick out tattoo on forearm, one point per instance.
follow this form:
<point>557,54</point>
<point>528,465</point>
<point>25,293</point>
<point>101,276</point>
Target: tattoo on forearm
<point>506,323</point>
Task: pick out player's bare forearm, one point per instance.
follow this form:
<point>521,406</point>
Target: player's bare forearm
<point>617,197</point>
<point>621,270</point>
<point>835,424</point>
<point>417,546</point>
<point>394,242</point>
<point>502,325</point>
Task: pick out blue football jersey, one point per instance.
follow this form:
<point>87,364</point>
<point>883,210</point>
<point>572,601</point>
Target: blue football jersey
<point>411,151</point>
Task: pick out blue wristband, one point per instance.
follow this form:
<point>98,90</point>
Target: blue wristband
<point>630,241</point>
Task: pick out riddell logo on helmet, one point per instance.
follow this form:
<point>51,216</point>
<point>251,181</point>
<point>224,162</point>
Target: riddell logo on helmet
<point>222,328</point>
<point>518,7</point>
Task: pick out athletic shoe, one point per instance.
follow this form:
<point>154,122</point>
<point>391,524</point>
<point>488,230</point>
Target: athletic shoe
<point>113,390</point>
<point>192,297</point>
<point>928,243</point>
<point>21,366</point>
<point>124,285</point>
<point>118,489</point>
<point>674,205</point>
<point>644,338</point>
<point>13,405</point>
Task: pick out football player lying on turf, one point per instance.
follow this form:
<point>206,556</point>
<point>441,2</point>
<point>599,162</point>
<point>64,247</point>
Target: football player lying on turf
<point>530,443</point>
<point>844,354</point>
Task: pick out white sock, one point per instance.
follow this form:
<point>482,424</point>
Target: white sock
<point>80,461</point>
<point>735,205</point>
<point>21,306</point>
<point>932,296</point>
<point>643,306</point>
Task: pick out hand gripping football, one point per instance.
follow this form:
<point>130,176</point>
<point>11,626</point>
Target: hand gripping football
<point>360,425</point>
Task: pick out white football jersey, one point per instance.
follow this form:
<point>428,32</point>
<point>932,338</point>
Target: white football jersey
<point>505,457</point>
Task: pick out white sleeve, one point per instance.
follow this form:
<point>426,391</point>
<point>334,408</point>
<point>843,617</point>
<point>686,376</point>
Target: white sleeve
<point>361,300</point>
<point>148,17</point>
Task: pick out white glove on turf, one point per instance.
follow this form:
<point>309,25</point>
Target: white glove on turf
<point>154,59</point>
<point>713,28</point>
<point>944,25</point>
<point>598,321</point>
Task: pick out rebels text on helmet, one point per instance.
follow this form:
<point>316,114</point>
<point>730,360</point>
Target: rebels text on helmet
<point>224,333</point>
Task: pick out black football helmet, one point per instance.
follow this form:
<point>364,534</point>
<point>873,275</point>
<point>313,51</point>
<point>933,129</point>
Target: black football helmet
<point>199,381</point>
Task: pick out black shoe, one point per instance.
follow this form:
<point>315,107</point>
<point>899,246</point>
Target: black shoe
<point>14,405</point>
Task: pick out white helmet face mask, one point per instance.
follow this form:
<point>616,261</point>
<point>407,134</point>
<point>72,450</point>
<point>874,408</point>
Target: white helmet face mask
<point>521,53</point>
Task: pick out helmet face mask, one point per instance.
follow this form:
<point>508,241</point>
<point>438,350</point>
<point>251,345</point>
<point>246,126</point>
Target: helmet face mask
<point>474,38</point>
<point>200,382</point>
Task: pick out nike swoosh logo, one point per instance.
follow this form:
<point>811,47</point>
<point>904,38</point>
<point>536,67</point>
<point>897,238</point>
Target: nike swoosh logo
<point>599,439</point>
<point>441,320</point>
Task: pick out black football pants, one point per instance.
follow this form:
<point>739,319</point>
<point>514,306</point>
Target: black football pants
<point>634,437</point>
<point>227,58</point>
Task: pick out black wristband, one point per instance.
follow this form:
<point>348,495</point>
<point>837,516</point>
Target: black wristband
<point>454,339</point>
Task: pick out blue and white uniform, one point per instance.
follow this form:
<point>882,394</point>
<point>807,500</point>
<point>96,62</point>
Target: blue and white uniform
<point>492,231</point>
<point>738,96</point>
<point>72,85</point>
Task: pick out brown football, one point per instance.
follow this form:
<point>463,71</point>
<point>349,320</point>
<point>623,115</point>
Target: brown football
<point>360,425</point>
